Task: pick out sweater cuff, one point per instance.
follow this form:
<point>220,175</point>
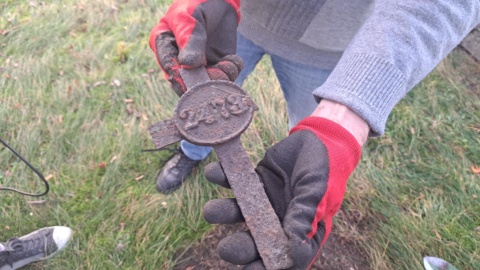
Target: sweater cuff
<point>368,85</point>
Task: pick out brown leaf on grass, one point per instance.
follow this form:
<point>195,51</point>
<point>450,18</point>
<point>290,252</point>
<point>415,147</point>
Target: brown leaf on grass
<point>73,34</point>
<point>102,165</point>
<point>7,228</point>
<point>98,83</point>
<point>120,246</point>
<point>139,177</point>
<point>7,173</point>
<point>144,117</point>
<point>190,268</point>
<point>36,202</point>
<point>476,170</point>
<point>437,234</point>
<point>116,83</point>
<point>48,177</point>
<point>128,109</point>
<point>128,100</point>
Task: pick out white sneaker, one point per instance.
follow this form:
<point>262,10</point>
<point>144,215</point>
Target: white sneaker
<point>36,246</point>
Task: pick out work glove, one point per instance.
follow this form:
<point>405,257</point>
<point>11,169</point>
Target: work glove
<point>196,33</point>
<point>305,177</point>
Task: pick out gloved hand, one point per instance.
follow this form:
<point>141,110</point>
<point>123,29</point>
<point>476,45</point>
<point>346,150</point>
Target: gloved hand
<point>305,176</point>
<point>196,33</point>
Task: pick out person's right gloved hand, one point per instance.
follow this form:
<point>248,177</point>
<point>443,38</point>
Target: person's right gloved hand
<point>196,33</point>
<point>305,177</point>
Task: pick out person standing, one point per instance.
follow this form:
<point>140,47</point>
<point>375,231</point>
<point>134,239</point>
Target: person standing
<point>342,66</point>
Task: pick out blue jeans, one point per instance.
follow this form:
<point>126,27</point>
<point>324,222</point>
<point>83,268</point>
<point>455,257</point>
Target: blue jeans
<point>296,80</point>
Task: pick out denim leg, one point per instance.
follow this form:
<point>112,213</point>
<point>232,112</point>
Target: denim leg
<point>298,82</point>
<point>193,151</point>
<point>251,54</point>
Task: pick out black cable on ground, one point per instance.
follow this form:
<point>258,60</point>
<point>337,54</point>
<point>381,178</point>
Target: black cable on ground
<point>37,172</point>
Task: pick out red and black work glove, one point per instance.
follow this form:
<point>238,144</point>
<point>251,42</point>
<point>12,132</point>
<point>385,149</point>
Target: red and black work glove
<point>196,33</point>
<point>305,177</point>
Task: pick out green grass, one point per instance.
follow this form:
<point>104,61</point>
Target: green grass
<point>60,108</point>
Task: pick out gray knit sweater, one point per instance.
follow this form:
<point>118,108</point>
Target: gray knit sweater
<point>379,49</point>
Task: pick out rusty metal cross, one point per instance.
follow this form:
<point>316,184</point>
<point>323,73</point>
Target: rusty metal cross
<point>215,113</point>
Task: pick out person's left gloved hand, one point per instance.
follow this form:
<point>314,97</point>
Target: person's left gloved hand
<point>195,33</point>
<point>305,177</point>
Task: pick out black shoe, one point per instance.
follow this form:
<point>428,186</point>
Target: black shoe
<point>175,171</point>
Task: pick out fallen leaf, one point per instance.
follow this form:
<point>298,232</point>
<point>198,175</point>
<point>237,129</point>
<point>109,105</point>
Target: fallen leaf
<point>98,83</point>
<point>437,234</point>
<point>190,268</point>
<point>120,246</point>
<point>412,130</point>
<point>144,117</point>
<point>7,228</point>
<point>116,83</point>
<point>164,204</point>
<point>73,34</point>
<point>474,196</point>
<point>36,202</point>
<point>476,170</point>
<point>128,110</point>
<point>48,177</point>
<point>122,226</point>
<point>113,159</point>
<point>139,177</point>
<point>102,165</point>
<point>128,100</point>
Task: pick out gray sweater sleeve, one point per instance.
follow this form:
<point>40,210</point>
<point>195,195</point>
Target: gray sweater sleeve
<point>399,44</point>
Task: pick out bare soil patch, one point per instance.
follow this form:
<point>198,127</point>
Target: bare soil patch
<point>338,253</point>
